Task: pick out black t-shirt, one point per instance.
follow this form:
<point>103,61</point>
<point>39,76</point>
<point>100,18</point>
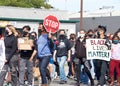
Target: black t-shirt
<point>63,47</point>
<point>26,54</point>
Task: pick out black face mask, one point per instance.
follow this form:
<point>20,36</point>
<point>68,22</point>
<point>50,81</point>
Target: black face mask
<point>39,31</point>
<point>90,35</point>
<point>6,32</point>
<point>62,36</point>
<point>32,37</point>
<point>24,33</point>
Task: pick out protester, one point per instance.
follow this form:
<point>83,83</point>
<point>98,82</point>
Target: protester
<point>33,36</point>
<point>90,35</point>
<point>71,71</point>
<point>25,56</point>
<point>10,41</point>
<point>80,54</point>
<point>103,65</point>
<point>61,52</point>
<point>44,53</point>
<point>51,65</point>
<point>55,62</point>
<point>115,60</point>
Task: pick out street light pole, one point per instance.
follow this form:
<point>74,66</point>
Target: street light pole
<point>81,15</point>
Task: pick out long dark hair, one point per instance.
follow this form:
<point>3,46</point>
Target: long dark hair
<point>116,33</point>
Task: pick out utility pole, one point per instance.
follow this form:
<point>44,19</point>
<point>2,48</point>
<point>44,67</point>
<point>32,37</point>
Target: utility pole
<point>81,15</point>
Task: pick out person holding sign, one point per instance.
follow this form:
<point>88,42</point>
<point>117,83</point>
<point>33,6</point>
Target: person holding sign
<point>51,24</point>
<point>90,35</point>
<point>115,60</point>
<point>80,54</point>
<point>25,56</point>
<point>102,63</point>
<point>44,45</point>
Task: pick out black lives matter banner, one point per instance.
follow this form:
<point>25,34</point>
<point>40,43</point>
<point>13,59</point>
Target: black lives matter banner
<point>96,49</point>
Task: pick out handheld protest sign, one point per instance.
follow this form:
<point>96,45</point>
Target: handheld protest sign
<point>96,49</point>
<point>51,24</point>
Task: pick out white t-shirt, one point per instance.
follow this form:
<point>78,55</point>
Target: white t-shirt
<point>2,54</point>
<point>2,50</point>
<point>115,51</point>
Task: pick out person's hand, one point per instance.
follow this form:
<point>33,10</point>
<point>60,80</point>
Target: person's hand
<point>54,59</point>
<point>68,59</point>
<point>31,60</point>
<point>37,61</point>
<point>5,60</point>
<point>50,35</point>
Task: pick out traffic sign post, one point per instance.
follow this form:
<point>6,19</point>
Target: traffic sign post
<point>51,24</point>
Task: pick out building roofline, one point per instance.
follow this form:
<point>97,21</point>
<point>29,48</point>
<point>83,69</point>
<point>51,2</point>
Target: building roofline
<point>35,20</point>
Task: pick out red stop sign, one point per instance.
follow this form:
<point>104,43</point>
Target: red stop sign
<point>51,24</point>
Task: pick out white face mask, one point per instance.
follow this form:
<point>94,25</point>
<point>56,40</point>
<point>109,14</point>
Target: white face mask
<point>82,35</point>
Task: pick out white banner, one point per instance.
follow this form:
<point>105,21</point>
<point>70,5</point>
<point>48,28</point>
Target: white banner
<point>96,49</point>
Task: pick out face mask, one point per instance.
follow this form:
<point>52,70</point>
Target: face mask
<point>82,35</point>
<point>90,35</point>
<point>6,32</point>
<point>115,41</point>
<point>32,37</point>
<point>24,33</point>
<point>62,36</point>
<point>39,31</point>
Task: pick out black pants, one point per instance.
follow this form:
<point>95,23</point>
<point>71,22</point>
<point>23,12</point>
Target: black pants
<point>13,64</point>
<point>57,68</point>
<point>86,68</point>
<point>104,70</point>
<point>48,74</point>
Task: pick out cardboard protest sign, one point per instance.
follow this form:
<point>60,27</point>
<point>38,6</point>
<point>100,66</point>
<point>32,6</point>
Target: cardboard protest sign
<point>25,43</point>
<point>96,49</point>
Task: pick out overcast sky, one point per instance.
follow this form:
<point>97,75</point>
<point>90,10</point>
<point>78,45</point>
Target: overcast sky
<point>89,5</point>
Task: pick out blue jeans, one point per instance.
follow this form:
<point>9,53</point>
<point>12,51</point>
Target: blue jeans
<point>44,61</point>
<point>61,62</point>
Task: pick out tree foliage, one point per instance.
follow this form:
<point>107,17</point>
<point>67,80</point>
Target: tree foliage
<point>26,3</point>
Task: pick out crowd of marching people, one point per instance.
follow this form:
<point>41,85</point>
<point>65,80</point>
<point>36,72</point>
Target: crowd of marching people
<point>50,53</point>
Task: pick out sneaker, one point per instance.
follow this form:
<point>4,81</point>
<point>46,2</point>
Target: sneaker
<point>49,81</point>
<point>62,82</point>
<point>68,76</point>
